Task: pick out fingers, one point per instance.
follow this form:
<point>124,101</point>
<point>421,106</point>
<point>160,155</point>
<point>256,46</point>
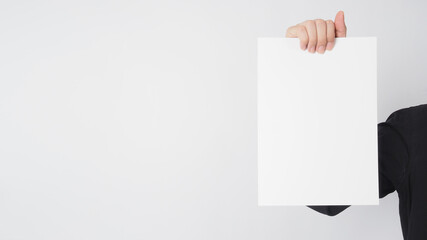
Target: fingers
<point>318,35</point>
<point>310,27</point>
<point>321,35</point>
<point>298,31</point>
<point>340,28</point>
<point>330,34</point>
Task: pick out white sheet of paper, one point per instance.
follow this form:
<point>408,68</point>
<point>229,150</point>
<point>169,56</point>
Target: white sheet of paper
<point>317,123</point>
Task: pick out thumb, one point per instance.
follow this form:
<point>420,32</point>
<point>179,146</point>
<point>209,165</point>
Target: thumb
<point>340,28</point>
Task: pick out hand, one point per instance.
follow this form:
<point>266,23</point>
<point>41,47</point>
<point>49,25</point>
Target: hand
<point>318,35</point>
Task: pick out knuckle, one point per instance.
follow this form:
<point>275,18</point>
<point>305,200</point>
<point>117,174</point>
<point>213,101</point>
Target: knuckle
<point>319,21</point>
<point>321,43</point>
<point>310,23</point>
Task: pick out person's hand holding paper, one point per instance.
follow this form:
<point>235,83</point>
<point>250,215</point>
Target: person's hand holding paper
<point>317,117</point>
<point>318,35</point>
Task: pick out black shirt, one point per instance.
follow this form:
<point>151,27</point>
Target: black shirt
<point>402,165</point>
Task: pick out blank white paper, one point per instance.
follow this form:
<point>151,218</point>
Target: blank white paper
<point>317,123</point>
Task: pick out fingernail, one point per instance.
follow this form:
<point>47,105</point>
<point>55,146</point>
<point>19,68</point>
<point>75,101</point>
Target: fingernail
<point>321,49</point>
<point>329,46</point>
<point>312,49</point>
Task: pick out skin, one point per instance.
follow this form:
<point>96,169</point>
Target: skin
<point>318,35</point>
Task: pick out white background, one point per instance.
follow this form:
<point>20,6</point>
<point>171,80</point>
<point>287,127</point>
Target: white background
<point>78,161</point>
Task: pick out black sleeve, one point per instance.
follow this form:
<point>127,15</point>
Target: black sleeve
<point>329,210</point>
<point>391,151</point>
<point>392,157</point>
